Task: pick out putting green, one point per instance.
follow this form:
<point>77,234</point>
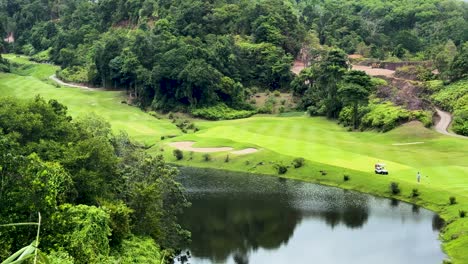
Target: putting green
<point>326,146</point>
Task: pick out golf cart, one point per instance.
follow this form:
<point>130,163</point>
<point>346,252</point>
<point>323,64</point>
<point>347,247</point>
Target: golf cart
<point>380,169</point>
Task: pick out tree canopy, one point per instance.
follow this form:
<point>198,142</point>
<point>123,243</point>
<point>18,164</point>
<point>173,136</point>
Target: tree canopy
<point>172,55</point>
<point>94,189</point>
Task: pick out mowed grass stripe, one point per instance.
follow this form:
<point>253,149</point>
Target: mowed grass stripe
<point>137,123</point>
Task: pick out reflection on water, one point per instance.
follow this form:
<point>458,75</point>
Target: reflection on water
<point>238,218</point>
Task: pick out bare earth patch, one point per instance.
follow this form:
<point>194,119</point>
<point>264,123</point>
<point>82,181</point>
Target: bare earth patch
<point>298,67</point>
<point>374,71</point>
<point>188,146</point>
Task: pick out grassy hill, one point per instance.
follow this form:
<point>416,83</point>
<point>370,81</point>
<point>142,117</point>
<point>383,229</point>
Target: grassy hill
<point>30,79</point>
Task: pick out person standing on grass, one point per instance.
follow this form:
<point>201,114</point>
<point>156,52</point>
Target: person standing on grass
<point>418,177</point>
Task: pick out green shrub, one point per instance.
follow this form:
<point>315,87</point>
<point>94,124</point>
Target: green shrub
<point>43,56</point>
<point>418,72</point>
<point>424,117</point>
<point>74,74</point>
<point>384,116</point>
<point>298,162</point>
<point>283,102</point>
<point>433,86</point>
<point>394,188</point>
<point>346,115</point>
<point>153,114</point>
<point>191,126</point>
<point>449,95</point>
<point>460,121</point>
<point>277,93</point>
<point>378,82</point>
<point>4,65</point>
<point>178,154</point>
<point>253,101</point>
<point>221,112</point>
<point>271,101</point>
<point>415,193</point>
<point>206,157</point>
<point>280,168</point>
<point>346,178</point>
<point>266,109</point>
<point>462,213</point>
<point>452,200</point>
<point>281,109</point>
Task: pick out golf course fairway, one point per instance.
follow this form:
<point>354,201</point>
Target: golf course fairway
<point>330,150</point>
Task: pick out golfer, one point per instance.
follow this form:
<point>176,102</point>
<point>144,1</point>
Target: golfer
<point>418,177</point>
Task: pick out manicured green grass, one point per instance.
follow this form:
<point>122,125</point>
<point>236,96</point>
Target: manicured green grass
<point>326,146</point>
<point>138,124</point>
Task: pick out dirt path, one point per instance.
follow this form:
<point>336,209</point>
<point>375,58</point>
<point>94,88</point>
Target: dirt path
<point>57,80</point>
<point>188,146</point>
<point>444,123</point>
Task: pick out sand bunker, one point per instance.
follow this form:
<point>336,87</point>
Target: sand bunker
<point>410,143</point>
<point>244,151</point>
<point>187,146</point>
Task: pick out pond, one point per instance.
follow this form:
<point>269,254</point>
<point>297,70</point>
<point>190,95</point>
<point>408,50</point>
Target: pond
<point>245,218</point>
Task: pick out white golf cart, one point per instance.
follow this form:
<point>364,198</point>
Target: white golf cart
<point>380,169</point>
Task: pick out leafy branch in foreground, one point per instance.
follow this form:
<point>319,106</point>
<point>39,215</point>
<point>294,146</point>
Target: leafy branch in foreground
<point>27,252</point>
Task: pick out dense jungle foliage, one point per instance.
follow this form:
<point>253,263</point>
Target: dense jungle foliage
<point>102,198</point>
<point>179,55</point>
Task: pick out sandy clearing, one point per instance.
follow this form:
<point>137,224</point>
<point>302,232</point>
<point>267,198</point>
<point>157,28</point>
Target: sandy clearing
<point>374,71</point>
<point>187,146</point>
<point>299,66</point>
<point>410,143</point>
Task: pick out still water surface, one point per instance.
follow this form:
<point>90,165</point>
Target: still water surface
<point>243,218</point>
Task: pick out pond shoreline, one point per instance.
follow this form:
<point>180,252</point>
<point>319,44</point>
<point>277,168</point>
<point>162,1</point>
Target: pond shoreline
<point>424,204</point>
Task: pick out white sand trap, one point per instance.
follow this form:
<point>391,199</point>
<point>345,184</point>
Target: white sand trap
<point>187,146</point>
<point>245,151</point>
<point>410,143</point>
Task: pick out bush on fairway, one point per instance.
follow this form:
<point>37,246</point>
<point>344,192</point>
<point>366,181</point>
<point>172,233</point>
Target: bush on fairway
<point>452,200</point>
<point>206,157</point>
<point>281,169</point>
<point>298,162</point>
<point>178,154</point>
<point>462,213</point>
<point>414,193</point>
<point>394,188</point>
